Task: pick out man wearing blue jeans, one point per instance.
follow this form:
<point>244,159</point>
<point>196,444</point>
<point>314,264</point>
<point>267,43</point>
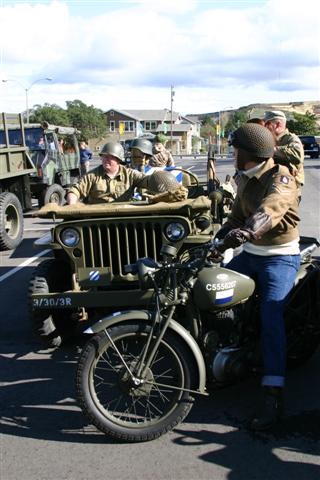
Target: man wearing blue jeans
<point>264,221</point>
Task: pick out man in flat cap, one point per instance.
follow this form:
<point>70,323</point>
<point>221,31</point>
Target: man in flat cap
<point>289,149</point>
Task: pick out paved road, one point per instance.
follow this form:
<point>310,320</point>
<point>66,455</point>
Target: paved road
<point>45,437</point>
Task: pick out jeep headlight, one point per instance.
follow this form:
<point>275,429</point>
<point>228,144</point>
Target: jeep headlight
<point>175,231</point>
<point>70,237</point>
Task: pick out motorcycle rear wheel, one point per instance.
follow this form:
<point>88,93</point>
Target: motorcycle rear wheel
<point>117,407</point>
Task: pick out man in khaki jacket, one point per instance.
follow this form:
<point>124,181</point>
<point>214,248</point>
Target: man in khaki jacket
<point>264,219</point>
<point>109,182</point>
<point>288,149</point>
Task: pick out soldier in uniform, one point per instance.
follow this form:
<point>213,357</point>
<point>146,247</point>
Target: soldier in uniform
<point>141,152</point>
<point>264,221</point>
<point>161,156</point>
<point>288,149</point>
<point>112,181</point>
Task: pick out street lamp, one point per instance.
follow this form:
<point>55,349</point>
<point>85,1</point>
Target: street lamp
<point>26,89</point>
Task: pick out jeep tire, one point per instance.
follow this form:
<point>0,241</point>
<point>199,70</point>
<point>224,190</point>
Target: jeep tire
<point>53,326</point>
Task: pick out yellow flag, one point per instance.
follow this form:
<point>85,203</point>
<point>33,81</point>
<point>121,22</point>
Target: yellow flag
<point>121,127</point>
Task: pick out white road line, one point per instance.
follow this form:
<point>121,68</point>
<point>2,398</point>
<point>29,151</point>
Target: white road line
<point>40,229</point>
<point>23,264</point>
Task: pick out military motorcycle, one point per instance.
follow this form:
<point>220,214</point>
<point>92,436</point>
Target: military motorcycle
<point>139,372</point>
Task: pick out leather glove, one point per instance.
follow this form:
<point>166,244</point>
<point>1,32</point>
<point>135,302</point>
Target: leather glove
<point>235,238</point>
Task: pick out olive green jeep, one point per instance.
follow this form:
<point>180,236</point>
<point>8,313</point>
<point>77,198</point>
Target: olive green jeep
<point>91,244</point>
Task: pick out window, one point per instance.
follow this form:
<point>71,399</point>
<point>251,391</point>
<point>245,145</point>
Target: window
<point>128,126</point>
<point>112,125</point>
<point>150,125</point>
<point>111,113</point>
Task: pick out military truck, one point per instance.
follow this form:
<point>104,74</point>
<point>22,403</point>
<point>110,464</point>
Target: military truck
<point>16,166</point>
<point>54,151</point>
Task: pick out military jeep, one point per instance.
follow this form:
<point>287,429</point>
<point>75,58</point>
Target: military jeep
<point>91,245</point>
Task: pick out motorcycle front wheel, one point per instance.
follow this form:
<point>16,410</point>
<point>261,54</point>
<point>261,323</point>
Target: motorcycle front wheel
<point>134,408</point>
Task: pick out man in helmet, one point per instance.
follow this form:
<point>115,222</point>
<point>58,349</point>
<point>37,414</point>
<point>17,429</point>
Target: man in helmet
<point>141,152</point>
<point>264,221</point>
<point>108,182</point>
<point>288,149</point>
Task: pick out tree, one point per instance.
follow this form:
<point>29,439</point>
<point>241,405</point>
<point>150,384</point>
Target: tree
<point>236,120</point>
<point>303,124</point>
<point>50,113</point>
<point>88,119</point>
<point>207,131</point>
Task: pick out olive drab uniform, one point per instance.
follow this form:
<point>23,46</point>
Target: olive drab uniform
<point>273,191</point>
<point>97,187</point>
<point>161,158</point>
<point>290,152</point>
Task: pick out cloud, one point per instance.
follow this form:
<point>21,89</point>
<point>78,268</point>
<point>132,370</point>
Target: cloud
<point>136,46</point>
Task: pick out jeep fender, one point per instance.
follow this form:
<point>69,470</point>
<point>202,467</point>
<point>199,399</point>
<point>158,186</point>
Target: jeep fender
<point>125,316</point>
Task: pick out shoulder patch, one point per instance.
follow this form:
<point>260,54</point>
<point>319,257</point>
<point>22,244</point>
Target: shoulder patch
<point>284,179</point>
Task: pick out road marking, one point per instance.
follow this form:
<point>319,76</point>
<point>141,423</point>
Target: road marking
<point>40,229</point>
<point>23,264</point>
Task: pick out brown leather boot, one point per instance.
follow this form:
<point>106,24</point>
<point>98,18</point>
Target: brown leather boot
<point>271,409</point>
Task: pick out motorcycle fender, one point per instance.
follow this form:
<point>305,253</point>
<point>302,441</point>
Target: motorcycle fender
<point>125,316</point>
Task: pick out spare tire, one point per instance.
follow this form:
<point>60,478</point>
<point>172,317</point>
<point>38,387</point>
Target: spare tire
<point>53,194</point>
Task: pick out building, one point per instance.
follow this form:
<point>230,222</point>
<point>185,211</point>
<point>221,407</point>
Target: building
<point>183,133</point>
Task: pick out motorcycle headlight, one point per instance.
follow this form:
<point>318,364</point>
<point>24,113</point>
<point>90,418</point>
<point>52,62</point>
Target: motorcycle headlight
<point>70,237</point>
<point>175,232</point>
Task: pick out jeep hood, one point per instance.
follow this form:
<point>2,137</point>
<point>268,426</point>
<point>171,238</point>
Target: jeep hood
<point>189,207</point>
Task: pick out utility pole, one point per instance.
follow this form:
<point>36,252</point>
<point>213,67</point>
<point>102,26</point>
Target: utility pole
<point>171,109</point>
<point>219,133</point>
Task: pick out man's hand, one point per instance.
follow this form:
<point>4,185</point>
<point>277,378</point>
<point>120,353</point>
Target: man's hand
<point>235,238</point>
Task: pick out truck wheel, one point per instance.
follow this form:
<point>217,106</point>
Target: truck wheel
<point>53,194</point>
<point>52,327</point>
<point>11,221</point>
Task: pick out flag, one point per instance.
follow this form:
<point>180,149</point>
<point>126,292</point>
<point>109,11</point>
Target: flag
<point>121,128</point>
<point>165,128</point>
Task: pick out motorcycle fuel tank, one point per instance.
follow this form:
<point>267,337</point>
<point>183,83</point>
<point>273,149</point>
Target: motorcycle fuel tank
<point>217,288</point>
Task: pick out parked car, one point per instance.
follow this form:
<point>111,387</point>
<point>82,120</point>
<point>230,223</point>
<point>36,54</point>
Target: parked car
<point>310,145</point>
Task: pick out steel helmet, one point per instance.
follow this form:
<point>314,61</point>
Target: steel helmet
<point>142,144</point>
<point>113,148</point>
<point>162,181</point>
<point>255,139</point>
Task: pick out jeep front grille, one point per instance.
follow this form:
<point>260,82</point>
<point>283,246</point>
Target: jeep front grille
<point>117,244</point>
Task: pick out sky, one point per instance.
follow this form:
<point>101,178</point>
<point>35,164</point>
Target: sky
<point>124,54</point>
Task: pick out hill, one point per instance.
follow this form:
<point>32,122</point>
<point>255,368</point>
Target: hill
<point>258,109</point>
